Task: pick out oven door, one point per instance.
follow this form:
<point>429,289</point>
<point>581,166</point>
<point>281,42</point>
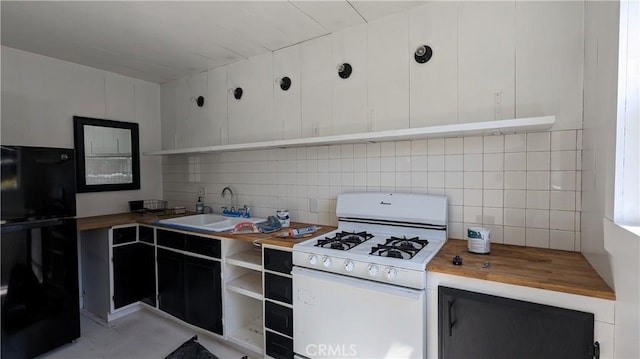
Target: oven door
<point>338,316</point>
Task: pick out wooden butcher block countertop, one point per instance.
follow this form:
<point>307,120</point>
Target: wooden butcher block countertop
<point>118,219</point>
<point>560,271</point>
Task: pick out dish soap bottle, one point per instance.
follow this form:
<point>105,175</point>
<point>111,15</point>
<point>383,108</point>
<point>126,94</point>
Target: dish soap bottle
<point>199,206</point>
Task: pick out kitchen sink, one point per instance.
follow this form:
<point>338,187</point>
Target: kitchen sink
<point>208,222</point>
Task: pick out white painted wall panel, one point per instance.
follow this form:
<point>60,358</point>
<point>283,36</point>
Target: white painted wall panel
<point>287,104</point>
<point>316,72</point>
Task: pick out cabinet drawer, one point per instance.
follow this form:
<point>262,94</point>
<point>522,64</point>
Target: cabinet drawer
<point>171,239</point>
<point>124,235</point>
<point>203,245</point>
<point>278,318</point>
<point>145,234</point>
<point>277,261</point>
<point>279,347</point>
<point>278,288</point>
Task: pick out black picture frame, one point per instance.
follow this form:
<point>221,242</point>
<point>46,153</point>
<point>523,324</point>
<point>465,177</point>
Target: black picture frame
<point>78,135</point>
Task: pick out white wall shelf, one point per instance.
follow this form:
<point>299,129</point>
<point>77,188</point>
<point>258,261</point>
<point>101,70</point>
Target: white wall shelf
<point>499,127</point>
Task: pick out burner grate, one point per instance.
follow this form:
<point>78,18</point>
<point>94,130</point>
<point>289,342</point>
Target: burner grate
<point>344,240</point>
<point>402,248</point>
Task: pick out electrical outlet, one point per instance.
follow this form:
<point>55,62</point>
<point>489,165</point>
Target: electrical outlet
<point>202,192</point>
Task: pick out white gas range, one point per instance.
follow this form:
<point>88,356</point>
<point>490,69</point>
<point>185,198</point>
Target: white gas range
<point>373,262</point>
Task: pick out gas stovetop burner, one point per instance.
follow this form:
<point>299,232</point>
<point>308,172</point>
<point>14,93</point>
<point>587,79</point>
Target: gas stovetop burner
<point>403,248</point>
<point>344,240</point>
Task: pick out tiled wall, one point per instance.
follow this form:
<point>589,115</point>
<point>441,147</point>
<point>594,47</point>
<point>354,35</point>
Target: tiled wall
<point>524,187</point>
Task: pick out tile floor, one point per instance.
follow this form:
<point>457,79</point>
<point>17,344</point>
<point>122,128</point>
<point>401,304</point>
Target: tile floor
<point>142,334</point>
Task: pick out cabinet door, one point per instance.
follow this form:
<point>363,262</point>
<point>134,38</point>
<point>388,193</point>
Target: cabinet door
<point>146,265</point>
<point>286,103</point>
<point>146,234</point>
<point>433,85</point>
<point>124,235</point>
<point>216,102</point>
<point>251,117</point>
<point>317,72</point>
<point>203,293</point>
<point>279,347</point>
<point>486,66</point>
<point>170,285</point>
<point>350,95</point>
<point>388,80</point>
<point>278,288</point>
<point>277,261</point>
<point>127,275</point>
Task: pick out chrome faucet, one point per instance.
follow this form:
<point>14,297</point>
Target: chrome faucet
<point>224,190</point>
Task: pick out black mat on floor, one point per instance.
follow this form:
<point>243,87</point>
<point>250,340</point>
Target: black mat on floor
<point>191,349</point>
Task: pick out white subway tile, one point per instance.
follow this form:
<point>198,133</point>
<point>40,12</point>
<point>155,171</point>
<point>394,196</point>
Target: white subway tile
<point>577,247</point>
<point>403,179</point>
<point>578,201</point>
<point>516,161</point>
<point>493,162</point>
<point>563,160</point>
<point>403,163</point>
<point>387,179</point>
<point>579,140</point>
<point>360,150</point>
<point>473,214</point>
<point>537,218</point>
<point>453,163</point>
<point>403,148</point>
<point>579,160</point>
<point>387,164</point>
<point>419,179</point>
<point>514,235</point>
<point>387,149</point>
<point>473,180</point>
<point>436,191</point>
<point>562,220</point>
<point>335,165</point>
<point>514,217</point>
<point>360,179</point>
<point>453,146</point>
<point>578,222</point>
<point>563,140</point>
<point>373,179</point>
<point>335,151</point>
<point>373,164</point>
<point>493,198</point>
<point>436,179</point>
<point>515,198</point>
<point>359,164</point>
<point>493,144</point>
<point>455,230</point>
<point>562,240</point>
<point>435,163</point>
<point>452,180</point>
<point>491,215</point>
<point>538,180</point>
<point>346,151</point>
<point>493,180</point>
<point>323,152</point>
<point>537,238</point>
<point>515,180</point>
<point>373,150</point>
<point>347,179</point>
<point>472,145</point>
<point>455,197</point>
<point>563,180</point>
<point>515,143</point>
<point>538,161</point>
<point>419,147</point>
<point>435,146</point>
<point>563,200</point>
<point>301,153</point>
<point>472,162</point>
<point>538,199</point>
<point>496,232</point>
<point>538,141</point>
<point>473,197</point>
<point>455,213</point>
<point>419,163</point>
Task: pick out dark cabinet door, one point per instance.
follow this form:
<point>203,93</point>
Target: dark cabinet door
<point>277,261</point>
<point>170,285</point>
<point>203,293</point>
<point>124,235</point>
<point>145,234</point>
<point>278,318</point>
<point>279,347</point>
<point>474,325</point>
<point>134,276</point>
<point>278,288</point>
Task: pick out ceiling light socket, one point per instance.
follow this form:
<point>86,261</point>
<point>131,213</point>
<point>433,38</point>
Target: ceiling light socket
<point>344,70</point>
<point>237,93</point>
<point>200,101</point>
<point>285,83</point>
<point>423,54</point>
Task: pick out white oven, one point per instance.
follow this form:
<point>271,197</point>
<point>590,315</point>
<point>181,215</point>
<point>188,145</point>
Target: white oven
<point>359,291</point>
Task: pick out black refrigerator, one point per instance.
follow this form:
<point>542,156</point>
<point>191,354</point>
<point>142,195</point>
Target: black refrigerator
<point>39,268</point>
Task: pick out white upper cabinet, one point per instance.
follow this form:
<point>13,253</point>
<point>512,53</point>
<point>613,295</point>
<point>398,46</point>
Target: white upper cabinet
<point>182,119</point>
<point>200,132</point>
<point>350,94</point>
<point>434,84</point>
<point>549,61</point>
<point>486,61</point>
<point>251,116</point>
<point>317,72</point>
<point>216,102</point>
<point>388,72</point>
<point>286,101</point>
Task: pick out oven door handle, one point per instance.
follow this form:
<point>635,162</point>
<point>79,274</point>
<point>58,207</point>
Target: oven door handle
<point>359,283</point>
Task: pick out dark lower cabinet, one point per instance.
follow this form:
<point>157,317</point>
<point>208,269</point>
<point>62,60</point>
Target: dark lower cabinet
<point>133,274</point>
<point>474,325</point>
<point>278,288</point>
<point>190,289</point>
<point>278,347</point>
<point>278,318</point>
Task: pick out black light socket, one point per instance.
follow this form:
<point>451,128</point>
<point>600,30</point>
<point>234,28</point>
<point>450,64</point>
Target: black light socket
<point>344,70</point>
<point>237,93</point>
<point>200,101</point>
<point>285,83</point>
<point>423,54</point>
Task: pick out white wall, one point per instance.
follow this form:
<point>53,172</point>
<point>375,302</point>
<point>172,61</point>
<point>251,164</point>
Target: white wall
<point>613,251</point>
<point>40,96</point>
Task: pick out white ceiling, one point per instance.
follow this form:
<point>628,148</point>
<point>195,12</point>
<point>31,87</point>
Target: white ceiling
<point>161,41</point>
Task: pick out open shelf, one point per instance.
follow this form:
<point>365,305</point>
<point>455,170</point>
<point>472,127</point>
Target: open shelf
<point>250,336</point>
<point>251,259</point>
<point>249,285</point>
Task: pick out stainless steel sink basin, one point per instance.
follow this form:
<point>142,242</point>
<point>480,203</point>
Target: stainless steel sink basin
<point>208,222</point>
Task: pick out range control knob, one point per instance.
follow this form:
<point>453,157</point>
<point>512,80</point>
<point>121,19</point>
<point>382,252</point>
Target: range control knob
<point>313,259</point>
<point>326,261</point>
<point>392,273</point>
<point>348,265</point>
<point>373,270</point>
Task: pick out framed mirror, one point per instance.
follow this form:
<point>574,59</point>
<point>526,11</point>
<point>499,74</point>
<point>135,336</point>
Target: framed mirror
<point>107,155</point>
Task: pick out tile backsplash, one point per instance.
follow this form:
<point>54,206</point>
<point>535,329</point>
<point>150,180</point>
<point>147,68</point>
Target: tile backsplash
<point>524,187</point>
